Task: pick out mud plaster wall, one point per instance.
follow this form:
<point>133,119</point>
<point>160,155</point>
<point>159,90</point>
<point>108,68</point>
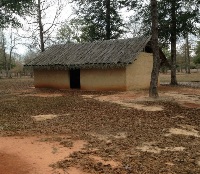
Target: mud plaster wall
<point>52,79</point>
<point>138,74</point>
<point>103,79</point>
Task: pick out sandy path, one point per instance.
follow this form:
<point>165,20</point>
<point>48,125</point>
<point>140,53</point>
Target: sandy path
<point>30,155</point>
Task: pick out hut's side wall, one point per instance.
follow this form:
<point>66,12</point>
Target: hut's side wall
<point>138,74</point>
<point>103,79</point>
<point>51,79</point>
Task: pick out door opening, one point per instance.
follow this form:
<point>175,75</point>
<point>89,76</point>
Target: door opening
<point>75,79</point>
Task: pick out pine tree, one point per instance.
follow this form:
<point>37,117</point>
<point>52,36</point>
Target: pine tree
<point>175,19</point>
<point>101,20</point>
<point>197,52</point>
<point>10,8</point>
<point>153,92</point>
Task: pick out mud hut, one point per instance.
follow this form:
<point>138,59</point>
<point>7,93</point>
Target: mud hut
<point>124,64</point>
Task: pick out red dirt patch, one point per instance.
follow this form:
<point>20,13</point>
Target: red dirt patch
<point>13,164</point>
<point>31,155</point>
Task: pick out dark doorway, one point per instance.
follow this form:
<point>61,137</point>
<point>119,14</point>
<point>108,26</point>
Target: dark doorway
<point>75,78</point>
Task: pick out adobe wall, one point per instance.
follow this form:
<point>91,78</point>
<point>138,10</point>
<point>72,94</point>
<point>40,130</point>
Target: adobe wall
<point>51,79</point>
<point>134,76</point>
<point>103,79</point>
<point>138,74</point>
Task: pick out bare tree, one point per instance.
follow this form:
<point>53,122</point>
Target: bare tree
<point>13,42</point>
<point>43,22</point>
<point>173,39</point>
<point>187,55</point>
<point>8,45</point>
<point>69,31</point>
<point>3,49</point>
<point>153,91</point>
<point>108,29</point>
<point>40,24</point>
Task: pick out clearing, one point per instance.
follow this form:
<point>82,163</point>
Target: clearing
<point>45,131</point>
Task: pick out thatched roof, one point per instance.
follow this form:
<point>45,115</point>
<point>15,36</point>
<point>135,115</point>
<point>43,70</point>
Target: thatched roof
<point>99,54</point>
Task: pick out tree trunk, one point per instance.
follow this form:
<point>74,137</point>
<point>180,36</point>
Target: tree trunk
<point>173,44</point>
<point>12,45</point>
<point>108,29</point>
<point>185,51</point>
<point>6,62</point>
<point>10,64</point>
<point>153,90</point>
<point>40,27</point>
<point>5,58</point>
<point>187,54</point>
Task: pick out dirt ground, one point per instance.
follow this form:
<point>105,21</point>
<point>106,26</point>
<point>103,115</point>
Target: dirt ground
<point>45,131</point>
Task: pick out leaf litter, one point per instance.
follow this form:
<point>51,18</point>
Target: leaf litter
<point>123,129</point>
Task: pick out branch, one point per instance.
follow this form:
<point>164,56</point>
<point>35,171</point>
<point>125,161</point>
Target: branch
<point>58,12</point>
